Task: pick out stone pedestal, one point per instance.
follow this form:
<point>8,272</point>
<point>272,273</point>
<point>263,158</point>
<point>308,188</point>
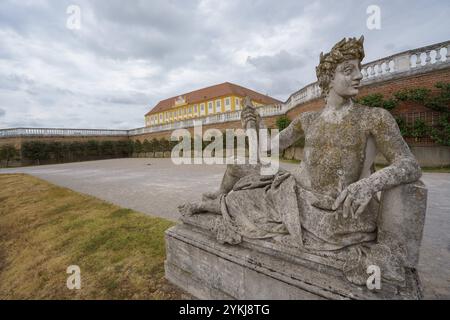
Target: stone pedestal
<point>197,263</point>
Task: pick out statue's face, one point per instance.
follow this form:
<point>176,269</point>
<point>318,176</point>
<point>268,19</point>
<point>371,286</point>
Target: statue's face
<point>347,78</point>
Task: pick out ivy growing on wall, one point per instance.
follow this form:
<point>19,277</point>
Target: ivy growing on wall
<point>439,102</point>
<point>283,122</point>
<point>377,100</point>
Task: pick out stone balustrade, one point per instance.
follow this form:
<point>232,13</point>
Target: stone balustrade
<point>415,60</point>
<point>51,132</point>
<point>410,60</point>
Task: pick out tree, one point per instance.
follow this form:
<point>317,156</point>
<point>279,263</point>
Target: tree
<point>8,152</point>
<point>106,148</point>
<point>137,146</point>
<point>147,146</point>
<point>35,150</point>
<point>93,148</point>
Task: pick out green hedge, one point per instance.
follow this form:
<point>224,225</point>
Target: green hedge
<point>8,152</point>
<point>39,151</point>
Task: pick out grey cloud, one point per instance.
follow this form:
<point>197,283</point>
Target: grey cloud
<point>2,113</point>
<point>276,63</point>
<point>129,55</point>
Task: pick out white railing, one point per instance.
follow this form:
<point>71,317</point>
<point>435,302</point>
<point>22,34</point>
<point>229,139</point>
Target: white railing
<point>436,55</point>
<point>51,132</point>
<point>411,60</point>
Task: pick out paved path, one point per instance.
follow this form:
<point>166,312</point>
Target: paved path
<point>156,186</point>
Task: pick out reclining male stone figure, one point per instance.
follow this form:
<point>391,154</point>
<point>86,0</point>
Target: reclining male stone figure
<point>330,202</point>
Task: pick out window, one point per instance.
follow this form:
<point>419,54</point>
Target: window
<point>160,117</point>
<point>237,103</point>
<point>190,109</point>
<point>210,107</point>
<point>202,107</point>
<point>195,109</point>
<point>227,104</point>
<point>218,106</point>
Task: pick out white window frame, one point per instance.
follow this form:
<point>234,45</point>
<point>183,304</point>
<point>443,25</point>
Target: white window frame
<point>237,104</point>
<point>218,106</point>
<point>227,104</point>
<point>210,107</point>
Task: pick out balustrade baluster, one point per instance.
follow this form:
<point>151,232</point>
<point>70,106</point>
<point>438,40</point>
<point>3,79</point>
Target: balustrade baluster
<point>419,60</point>
<point>428,57</point>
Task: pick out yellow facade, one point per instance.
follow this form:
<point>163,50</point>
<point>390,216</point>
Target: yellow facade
<point>184,111</point>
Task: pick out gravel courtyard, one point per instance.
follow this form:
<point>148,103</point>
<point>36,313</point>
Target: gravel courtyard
<point>156,187</point>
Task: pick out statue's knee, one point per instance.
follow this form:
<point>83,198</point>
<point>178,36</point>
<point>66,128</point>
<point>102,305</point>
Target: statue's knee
<point>241,170</point>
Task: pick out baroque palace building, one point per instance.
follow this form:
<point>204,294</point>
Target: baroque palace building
<point>220,98</point>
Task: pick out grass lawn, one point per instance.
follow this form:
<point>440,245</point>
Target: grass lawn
<point>45,228</point>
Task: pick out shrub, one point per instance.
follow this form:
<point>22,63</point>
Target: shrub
<point>107,148</point>
<point>92,148</point>
<point>283,122</point>
<point>35,150</point>
<point>419,129</point>
<point>415,94</point>
<point>441,133</point>
<point>147,146</point>
<point>137,146</point>
<point>164,145</point>
<point>8,152</point>
<point>376,100</point>
<point>404,129</point>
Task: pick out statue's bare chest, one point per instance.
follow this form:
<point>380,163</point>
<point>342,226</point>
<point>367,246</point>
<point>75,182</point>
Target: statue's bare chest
<point>347,135</point>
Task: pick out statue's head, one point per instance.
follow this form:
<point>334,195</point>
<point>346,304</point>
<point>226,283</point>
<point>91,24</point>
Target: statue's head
<point>340,69</point>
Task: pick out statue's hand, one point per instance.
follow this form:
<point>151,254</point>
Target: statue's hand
<point>249,115</point>
<point>355,198</point>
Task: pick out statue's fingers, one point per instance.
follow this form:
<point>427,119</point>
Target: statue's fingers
<point>361,208</point>
<point>354,208</point>
<point>347,206</point>
<point>339,199</point>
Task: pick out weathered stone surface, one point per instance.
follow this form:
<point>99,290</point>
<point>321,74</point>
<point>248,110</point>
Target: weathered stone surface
<point>402,218</point>
<point>329,206</point>
<point>257,270</point>
<point>298,153</point>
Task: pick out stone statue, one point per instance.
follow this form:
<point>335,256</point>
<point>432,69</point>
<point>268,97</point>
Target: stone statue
<point>330,204</point>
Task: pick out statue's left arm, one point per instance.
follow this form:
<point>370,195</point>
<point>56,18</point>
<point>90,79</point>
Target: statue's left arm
<point>403,167</point>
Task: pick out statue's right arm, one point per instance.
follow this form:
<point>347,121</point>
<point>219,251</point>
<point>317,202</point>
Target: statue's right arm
<point>291,134</point>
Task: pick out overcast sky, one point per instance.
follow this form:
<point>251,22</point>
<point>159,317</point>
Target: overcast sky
<point>128,55</point>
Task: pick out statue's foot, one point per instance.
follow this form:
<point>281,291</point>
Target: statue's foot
<point>211,195</point>
<point>188,209</point>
